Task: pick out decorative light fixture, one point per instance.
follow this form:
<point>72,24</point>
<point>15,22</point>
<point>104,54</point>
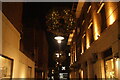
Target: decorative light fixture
<point>57,54</point>
<point>59,39</point>
<point>63,67</point>
<point>61,21</point>
<point>59,57</point>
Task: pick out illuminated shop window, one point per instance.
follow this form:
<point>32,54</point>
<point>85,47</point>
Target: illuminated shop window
<point>6,66</point>
<point>63,76</point>
<point>109,66</point>
<point>117,67</point>
<point>112,68</point>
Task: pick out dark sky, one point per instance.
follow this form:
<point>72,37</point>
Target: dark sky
<point>38,11</point>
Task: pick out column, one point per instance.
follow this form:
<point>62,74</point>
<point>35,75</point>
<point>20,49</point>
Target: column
<point>90,69</point>
<point>101,60</point>
<point>84,70</point>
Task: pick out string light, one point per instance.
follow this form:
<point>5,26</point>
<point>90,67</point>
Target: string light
<point>60,21</point>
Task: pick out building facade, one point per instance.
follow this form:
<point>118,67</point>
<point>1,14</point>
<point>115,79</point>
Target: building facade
<point>95,43</point>
<point>23,49</point>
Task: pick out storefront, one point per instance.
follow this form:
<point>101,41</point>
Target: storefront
<point>112,68</point>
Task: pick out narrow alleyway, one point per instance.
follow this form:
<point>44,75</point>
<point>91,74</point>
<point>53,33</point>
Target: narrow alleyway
<point>60,40</point>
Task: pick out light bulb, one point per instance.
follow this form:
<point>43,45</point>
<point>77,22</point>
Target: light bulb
<point>59,41</point>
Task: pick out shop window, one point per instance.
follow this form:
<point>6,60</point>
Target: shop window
<point>112,68</point>
<point>111,64</point>
<point>117,66</point>
<point>6,67</point>
<point>109,69</point>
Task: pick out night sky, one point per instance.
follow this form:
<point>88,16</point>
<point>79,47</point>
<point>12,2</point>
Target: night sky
<point>39,11</point>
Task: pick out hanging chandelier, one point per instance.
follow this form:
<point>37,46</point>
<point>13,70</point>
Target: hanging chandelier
<point>60,21</point>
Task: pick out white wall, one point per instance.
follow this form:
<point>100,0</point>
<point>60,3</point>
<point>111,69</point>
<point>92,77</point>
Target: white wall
<point>10,48</point>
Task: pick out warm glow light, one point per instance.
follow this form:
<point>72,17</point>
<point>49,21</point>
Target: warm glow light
<point>42,74</point>
<point>98,35</point>
<point>57,54</point>
<point>23,71</point>
<point>112,19</point>
<point>1,58</point>
<point>70,75</point>
<point>96,31</point>
<point>71,35</point>
<point>59,39</point>
<point>88,46</point>
<point>110,73</point>
<point>69,40</point>
<point>73,31</point>
<point>75,56</point>
<point>81,73</point>
<point>112,13</point>
<point>90,25</point>
<point>83,36</point>
<point>117,67</point>
<point>112,63</point>
<point>81,53</point>
<point>89,9</point>
<point>101,6</point>
<point>63,67</point>
<point>69,54</point>
<point>87,39</point>
<point>82,48</point>
<point>52,77</point>
<point>83,22</point>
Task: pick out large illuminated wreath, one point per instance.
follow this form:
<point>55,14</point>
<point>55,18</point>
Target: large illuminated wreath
<point>60,21</point>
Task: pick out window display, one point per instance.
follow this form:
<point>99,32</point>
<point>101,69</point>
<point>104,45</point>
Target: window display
<point>5,67</point>
<point>109,69</point>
